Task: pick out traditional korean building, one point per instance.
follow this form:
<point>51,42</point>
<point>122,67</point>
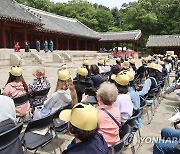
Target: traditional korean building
<point>122,39</point>
<point>163,43</point>
<point>19,23</point>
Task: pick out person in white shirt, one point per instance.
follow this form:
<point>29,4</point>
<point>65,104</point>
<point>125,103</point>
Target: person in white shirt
<point>123,101</point>
<point>7,109</point>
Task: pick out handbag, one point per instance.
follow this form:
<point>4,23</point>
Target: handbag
<point>113,119</point>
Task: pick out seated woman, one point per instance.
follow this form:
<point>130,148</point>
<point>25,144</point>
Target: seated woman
<point>96,77</point>
<point>15,87</point>
<point>123,101</point>
<point>170,142</point>
<point>7,122</point>
<point>107,95</point>
<point>83,125</point>
<point>60,98</point>
<point>151,81</point>
<point>82,82</point>
<point>39,83</point>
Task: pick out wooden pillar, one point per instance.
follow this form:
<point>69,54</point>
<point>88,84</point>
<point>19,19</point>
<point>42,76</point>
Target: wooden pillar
<point>3,34</point>
<point>133,45</point>
<point>42,41</point>
<point>137,47</point>
<point>68,44</point>
<point>57,43</point>
<point>25,34</point>
<point>77,44</point>
<point>86,45</point>
<point>117,45</point>
<point>126,46</point>
<point>122,47</point>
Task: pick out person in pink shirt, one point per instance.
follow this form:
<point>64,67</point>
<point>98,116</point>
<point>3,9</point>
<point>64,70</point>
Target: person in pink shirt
<point>15,87</point>
<point>107,95</point>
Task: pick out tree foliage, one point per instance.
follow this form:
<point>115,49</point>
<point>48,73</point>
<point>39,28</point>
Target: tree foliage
<point>150,16</point>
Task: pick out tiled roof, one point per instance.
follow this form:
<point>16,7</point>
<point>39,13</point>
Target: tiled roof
<point>11,10</point>
<point>64,25</point>
<point>163,41</point>
<point>121,36</point>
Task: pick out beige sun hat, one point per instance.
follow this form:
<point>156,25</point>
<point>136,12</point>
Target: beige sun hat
<point>125,64</point>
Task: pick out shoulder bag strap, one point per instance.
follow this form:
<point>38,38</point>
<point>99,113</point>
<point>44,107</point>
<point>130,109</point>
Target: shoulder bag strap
<point>111,116</point>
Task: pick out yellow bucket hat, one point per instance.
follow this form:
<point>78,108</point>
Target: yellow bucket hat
<point>82,116</point>
<point>63,75</point>
<point>118,59</point>
<point>16,71</point>
<point>63,67</point>
<point>130,74</point>
<point>161,63</point>
<point>82,71</point>
<point>122,79</point>
<point>101,61</point>
<point>86,62</point>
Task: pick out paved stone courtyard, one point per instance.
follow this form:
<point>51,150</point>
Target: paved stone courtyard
<point>163,112</point>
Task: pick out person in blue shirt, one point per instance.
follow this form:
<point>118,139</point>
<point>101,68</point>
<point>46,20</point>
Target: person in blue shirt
<point>46,49</point>
<point>134,96</point>
<point>38,46</point>
<point>51,45</point>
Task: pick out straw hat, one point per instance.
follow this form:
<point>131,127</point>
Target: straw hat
<point>16,71</point>
<point>82,116</point>
<point>132,61</point>
<point>125,64</point>
<point>82,71</point>
<point>153,66</point>
<point>39,73</point>
<point>63,75</point>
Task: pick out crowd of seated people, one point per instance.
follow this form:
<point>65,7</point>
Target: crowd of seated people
<point>93,128</point>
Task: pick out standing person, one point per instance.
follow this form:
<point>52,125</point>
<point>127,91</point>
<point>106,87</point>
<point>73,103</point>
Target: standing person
<point>38,46</point>
<point>17,47</point>
<point>46,46</point>
<point>27,47</point>
<point>51,45</point>
<point>39,83</point>
<point>15,87</point>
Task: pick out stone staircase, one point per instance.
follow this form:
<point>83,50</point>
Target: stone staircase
<point>9,57</point>
<point>28,59</point>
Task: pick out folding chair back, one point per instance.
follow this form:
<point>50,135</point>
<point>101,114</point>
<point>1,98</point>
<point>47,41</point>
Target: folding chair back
<point>40,123</point>
<point>117,147</point>
<point>7,138</point>
<point>125,131</point>
<point>21,99</point>
<point>132,120</point>
<point>56,114</point>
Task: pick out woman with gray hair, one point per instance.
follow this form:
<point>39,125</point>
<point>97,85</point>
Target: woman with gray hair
<point>107,95</point>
